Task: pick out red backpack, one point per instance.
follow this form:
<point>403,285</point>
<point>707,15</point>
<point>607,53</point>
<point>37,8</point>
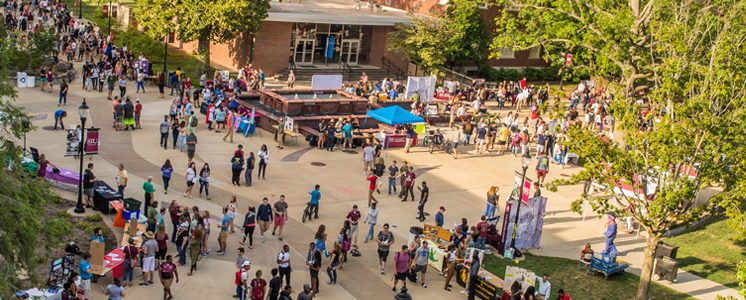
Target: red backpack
<point>257,288</point>
<point>238,278</point>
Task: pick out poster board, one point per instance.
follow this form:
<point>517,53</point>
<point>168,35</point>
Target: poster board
<point>326,82</point>
<point>289,124</point>
<point>72,144</point>
<point>60,270</point>
<point>436,257</point>
<point>224,75</point>
<point>98,251</point>
<point>470,252</point>
<point>436,233</point>
<point>425,86</point>
<point>526,278</point>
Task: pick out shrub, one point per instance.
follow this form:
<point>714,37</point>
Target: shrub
<point>63,214</point>
<point>94,218</point>
<point>83,225</point>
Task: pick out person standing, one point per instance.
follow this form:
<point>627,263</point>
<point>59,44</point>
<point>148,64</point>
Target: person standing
<point>130,260</point>
<point>152,214</point>
<point>545,288</point>
<point>63,93</point>
<point>85,275</point>
<point>264,212</point>
<point>283,260</point>
<point>403,177</point>
<point>492,197</point>
<point>232,209</point>
<point>161,83</point>
<point>243,284</point>
<point>481,134</point>
<point>424,193</point>
<point>409,184</point>
<point>353,216</point>
<point>140,85</point>
<point>149,190</point>
<point>166,171</point>
<point>280,209</point>
<point>347,129</point>
<point>194,244</point>
<point>223,237</point>
<point>401,265</point>
<point>237,167</point>
<point>167,272</point>
<point>165,124</point>
<point>291,79</point>
<point>138,113</point>
<point>121,180</point>
<point>409,138</point>
<point>204,181</point>
<point>368,153</point>
<point>542,168</point>
<point>122,86</point>
<point>334,262</point>
<point>249,224</point>
<point>149,248</point>
<point>371,218</point>
<point>420,261</point>
<point>191,175</point>
<point>115,290</point>
<point>229,125</point>
<point>89,182</point>
<point>315,197</point>
<point>191,145</point>
<point>258,286</point>
<point>263,161</point>
<point>451,269</point>
<point>385,238</point>
<point>372,188</point>
<point>250,161</point>
<point>393,173</point>
<point>482,227</point>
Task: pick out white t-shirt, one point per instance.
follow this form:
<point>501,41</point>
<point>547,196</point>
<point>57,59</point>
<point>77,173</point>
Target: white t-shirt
<point>282,257</point>
<point>245,276</point>
<point>190,174</point>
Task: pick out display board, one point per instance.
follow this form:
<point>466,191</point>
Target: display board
<point>530,224</point>
<point>60,270</point>
<point>435,233</point>
<point>72,144</point>
<point>326,82</point>
<point>425,86</point>
<point>526,278</point>
<point>98,251</point>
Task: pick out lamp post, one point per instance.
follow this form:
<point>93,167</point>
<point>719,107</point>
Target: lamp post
<point>80,9</point>
<point>165,55</point>
<point>525,161</point>
<point>83,111</point>
<point>108,32</point>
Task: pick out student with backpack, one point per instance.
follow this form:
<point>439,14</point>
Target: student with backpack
<point>283,260</point>
<point>242,281</point>
<point>258,286</point>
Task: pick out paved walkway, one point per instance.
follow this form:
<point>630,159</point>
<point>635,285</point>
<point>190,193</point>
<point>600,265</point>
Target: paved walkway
<point>459,185</point>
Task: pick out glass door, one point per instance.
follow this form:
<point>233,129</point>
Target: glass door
<point>304,51</point>
<point>350,51</point>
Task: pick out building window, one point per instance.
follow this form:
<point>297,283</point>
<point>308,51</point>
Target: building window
<point>534,52</point>
<point>506,53</point>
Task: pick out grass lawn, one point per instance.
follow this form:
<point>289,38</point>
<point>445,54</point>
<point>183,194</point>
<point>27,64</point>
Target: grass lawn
<point>710,252</point>
<point>563,273</point>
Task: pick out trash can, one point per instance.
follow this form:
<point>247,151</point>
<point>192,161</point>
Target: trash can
<point>414,231</point>
<point>30,80</point>
<point>132,204</point>
<point>666,250</point>
<point>21,76</point>
<point>666,268</point>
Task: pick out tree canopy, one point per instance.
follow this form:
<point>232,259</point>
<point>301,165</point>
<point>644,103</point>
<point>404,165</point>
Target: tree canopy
<point>423,41</point>
<point>212,21</point>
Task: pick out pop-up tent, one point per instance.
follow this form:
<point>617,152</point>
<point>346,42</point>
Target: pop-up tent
<point>393,115</point>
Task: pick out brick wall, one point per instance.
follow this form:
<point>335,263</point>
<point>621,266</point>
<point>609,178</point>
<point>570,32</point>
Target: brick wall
<point>379,48</point>
<point>272,48</point>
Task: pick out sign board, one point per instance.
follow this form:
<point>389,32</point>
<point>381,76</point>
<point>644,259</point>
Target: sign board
<point>224,75</point>
<point>105,11</point>
<point>289,124</point>
<point>425,86</point>
<point>326,82</point>
<point>91,142</point>
<point>470,252</point>
<point>526,278</point>
<point>526,191</point>
<point>436,257</point>
<point>438,231</point>
<point>485,290</point>
<point>72,145</point>
<point>98,251</point>
<point>329,50</point>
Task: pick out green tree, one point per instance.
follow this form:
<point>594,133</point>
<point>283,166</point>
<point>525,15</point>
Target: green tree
<point>24,234</point>
<point>423,41</point>
<point>470,40</point>
<point>207,22</point>
<point>696,123</point>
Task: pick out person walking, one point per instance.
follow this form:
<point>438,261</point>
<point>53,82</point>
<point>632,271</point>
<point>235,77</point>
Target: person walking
<point>229,125</point>
<point>542,168</point>
<point>250,161</point>
<point>492,197</point>
<point>372,188</point>
<point>166,171</point>
<point>403,177</point>
<point>115,290</point>
<point>182,135</point>
<point>191,178</point>
<point>258,286</point>
<point>165,124</point>
<point>409,184</point>
<point>385,238</point>
<point>264,212</point>
<point>249,224</point>
<point>393,173</point>
<point>274,285</point>
<point>371,218</point>
<point>409,138</point>
<point>191,145</point>
<point>122,86</point>
<point>194,245</point>
<point>149,248</point>
<point>283,260</point>
<point>204,181</point>
<point>314,202</point>
<point>63,93</point>
<point>232,209</point>
<point>237,167</point>
<point>420,261</point>
<point>367,157</point>
<point>121,180</point>
<point>242,280</point>
<point>263,161</point>
<point>424,193</point>
<point>281,210</point>
<point>167,272</point>
<point>353,216</point>
<point>451,269</point>
<point>161,237</point>
<point>334,260</point>
<point>402,263</point>
<point>130,260</point>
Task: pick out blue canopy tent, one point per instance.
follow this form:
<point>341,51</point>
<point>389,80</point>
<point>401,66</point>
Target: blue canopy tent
<point>392,115</point>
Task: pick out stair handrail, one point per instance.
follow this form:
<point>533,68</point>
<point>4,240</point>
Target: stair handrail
<point>389,66</point>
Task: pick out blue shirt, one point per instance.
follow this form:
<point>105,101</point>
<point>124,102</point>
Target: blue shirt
<point>264,213</point>
<point>233,104</point>
<point>348,130</point>
<point>226,221</point>
<point>439,220</point>
<point>167,172</point>
<point>58,113</point>
<point>188,108</point>
<point>393,94</point>
<point>100,239</point>
<point>83,267</point>
<point>315,195</point>
<point>174,79</point>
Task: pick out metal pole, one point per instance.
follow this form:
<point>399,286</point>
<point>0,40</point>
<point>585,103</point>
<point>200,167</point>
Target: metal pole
<point>80,9</point>
<point>165,54</point>
<point>109,30</point>
<point>518,211</point>
<point>79,207</point>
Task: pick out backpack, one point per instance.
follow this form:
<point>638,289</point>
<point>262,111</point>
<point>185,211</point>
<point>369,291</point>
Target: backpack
<point>194,121</point>
<point>516,138</point>
<point>238,278</point>
<point>345,244</point>
<point>355,252</point>
<point>257,288</point>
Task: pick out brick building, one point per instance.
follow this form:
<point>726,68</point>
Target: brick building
<point>323,33</point>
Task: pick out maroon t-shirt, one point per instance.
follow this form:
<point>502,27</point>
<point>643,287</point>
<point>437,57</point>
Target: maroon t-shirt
<point>162,241</point>
<point>483,227</point>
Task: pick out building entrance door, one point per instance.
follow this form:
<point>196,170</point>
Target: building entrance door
<point>304,51</point>
<point>350,51</point>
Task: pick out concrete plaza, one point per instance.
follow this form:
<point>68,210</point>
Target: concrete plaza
<point>458,184</point>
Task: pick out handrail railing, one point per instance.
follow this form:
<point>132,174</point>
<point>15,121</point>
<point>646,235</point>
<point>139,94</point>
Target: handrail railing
<point>389,66</point>
<point>455,76</point>
<point>346,68</point>
<point>292,64</point>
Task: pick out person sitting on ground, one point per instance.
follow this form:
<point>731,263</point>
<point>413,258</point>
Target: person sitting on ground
<point>561,295</point>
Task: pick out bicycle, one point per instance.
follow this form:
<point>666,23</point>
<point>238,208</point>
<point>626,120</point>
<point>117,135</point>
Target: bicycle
<point>307,212</point>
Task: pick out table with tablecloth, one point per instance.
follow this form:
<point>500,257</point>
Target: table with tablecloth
<point>64,176</point>
<point>114,263</point>
<point>103,194</point>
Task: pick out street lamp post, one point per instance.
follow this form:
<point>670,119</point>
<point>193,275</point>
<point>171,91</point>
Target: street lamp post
<point>80,9</point>
<point>525,161</point>
<point>109,30</point>
<point>83,112</point>
<point>165,54</point>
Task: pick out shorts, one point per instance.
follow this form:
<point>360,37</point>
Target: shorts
<point>539,148</point>
<point>220,122</point>
<point>137,118</point>
<point>190,183</point>
<point>120,119</point>
<point>231,214</point>
<point>167,283</point>
<point>541,173</point>
<point>480,142</point>
<point>43,79</point>
<point>400,276</point>
<point>383,254</point>
<point>88,192</point>
<point>148,264</point>
<point>314,274</point>
<point>263,225</point>
<point>279,221</point>
<point>368,164</point>
<point>454,144</point>
<point>348,140</point>
<point>223,235</point>
<point>111,87</point>
<point>501,143</point>
<point>190,153</point>
<point>161,253</point>
<point>420,268</point>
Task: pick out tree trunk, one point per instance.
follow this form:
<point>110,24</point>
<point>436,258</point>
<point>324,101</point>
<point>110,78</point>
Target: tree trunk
<point>203,47</point>
<point>647,267</point>
<point>562,77</point>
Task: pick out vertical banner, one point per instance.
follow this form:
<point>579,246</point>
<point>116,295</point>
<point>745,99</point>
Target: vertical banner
<point>73,142</point>
<point>145,66</point>
<point>569,59</point>
<point>526,191</point>
<point>105,11</point>
<point>91,142</point>
<point>329,51</point>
